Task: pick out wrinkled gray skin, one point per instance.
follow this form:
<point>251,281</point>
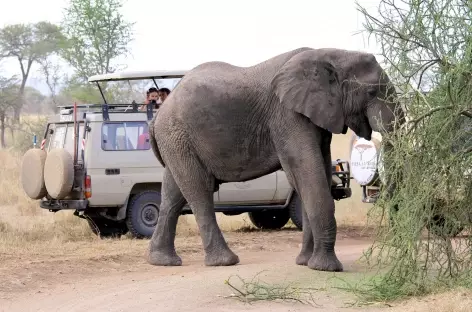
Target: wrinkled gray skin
<point>224,123</point>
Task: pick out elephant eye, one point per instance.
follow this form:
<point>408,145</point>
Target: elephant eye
<point>372,93</point>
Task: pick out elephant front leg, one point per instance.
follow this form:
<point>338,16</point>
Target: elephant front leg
<point>161,247</point>
<point>307,241</point>
<point>323,255</point>
<point>302,158</point>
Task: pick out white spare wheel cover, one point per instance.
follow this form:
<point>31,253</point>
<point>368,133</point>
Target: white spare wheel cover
<point>32,173</point>
<point>59,173</point>
<point>364,159</point>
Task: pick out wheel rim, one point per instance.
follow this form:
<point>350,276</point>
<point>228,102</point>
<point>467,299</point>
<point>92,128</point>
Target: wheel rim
<point>150,214</point>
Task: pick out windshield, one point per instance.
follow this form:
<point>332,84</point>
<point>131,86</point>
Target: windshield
<point>127,91</point>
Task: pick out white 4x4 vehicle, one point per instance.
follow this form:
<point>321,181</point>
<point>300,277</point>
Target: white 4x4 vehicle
<point>97,160</point>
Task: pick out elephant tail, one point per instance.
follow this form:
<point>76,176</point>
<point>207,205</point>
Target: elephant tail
<point>153,142</point>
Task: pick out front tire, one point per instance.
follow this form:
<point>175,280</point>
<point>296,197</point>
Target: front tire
<point>142,214</point>
<point>269,219</point>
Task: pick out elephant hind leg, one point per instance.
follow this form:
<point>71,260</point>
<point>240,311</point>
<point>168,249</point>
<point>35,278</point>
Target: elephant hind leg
<point>197,186</point>
<point>161,247</point>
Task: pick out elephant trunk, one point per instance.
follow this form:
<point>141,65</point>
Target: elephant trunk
<point>383,115</point>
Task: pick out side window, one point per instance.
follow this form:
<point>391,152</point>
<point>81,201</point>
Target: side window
<point>125,136</point>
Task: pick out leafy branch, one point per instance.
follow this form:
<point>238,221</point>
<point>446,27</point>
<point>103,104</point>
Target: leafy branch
<point>255,290</point>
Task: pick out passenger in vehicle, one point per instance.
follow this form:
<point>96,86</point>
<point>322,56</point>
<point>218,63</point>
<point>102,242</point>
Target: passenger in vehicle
<point>163,93</point>
<point>143,140</point>
<point>152,95</point>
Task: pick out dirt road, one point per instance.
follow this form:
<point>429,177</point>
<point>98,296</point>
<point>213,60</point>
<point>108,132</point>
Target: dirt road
<point>112,275</point>
<point>105,280</point>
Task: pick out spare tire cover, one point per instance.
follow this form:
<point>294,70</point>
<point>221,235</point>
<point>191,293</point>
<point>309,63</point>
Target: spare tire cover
<point>59,173</point>
<point>364,159</point>
<point>32,173</point>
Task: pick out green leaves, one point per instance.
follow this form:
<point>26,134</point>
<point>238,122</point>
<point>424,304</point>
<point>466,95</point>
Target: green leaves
<point>427,49</point>
<point>8,92</point>
<point>97,36</point>
<point>30,42</point>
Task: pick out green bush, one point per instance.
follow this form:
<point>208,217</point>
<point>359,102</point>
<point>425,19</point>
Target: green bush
<point>427,48</point>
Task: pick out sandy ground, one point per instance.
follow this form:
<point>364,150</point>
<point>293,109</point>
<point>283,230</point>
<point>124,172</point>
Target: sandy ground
<point>98,279</point>
<point>112,275</point>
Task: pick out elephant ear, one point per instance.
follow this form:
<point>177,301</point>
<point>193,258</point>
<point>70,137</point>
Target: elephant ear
<point>311,87</point>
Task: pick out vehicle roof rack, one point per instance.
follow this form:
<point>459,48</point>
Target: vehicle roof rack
<point>106,109</point>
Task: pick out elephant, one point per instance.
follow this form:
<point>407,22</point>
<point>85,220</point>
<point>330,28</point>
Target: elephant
<point>224,123</point>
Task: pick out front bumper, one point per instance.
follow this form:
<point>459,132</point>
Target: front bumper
<point>64,204</point>
<point>339,192</point>
<point>341,187</point>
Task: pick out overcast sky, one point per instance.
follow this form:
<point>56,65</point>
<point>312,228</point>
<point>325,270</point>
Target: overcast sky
<point>180,34</point>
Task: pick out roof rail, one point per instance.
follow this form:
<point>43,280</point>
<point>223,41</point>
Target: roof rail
<point>106,109</point>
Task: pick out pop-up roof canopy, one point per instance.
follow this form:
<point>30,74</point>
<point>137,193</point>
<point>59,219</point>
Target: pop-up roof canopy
<point>138,75</point>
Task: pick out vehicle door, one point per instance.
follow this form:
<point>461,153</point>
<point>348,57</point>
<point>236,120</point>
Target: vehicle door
<point>120,159</point>
<point>260,190</point>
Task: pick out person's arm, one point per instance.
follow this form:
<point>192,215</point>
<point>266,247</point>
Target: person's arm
<point>143,107</point>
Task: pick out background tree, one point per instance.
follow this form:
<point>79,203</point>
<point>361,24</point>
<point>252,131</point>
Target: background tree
<point>8,100</point>
<point>33,100</point>
<point>28,44</point>
<point>97,35</point>
<point>427,50</point>
<point>50,69</point>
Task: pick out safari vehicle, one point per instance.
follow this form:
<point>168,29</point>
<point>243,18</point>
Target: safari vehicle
<point>95,159</point>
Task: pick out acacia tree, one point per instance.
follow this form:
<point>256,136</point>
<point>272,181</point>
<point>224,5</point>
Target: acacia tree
<point>97,35</point>
<point>51,71</point>
<point>427,50</point>
<point>28,44</point>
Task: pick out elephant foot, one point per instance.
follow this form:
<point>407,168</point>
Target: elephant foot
<point>224,258</point>
<point>303,258</point>
<point>164,258</point>
<point>325,261</point>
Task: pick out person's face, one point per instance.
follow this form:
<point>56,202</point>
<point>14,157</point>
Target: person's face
<point>153,96</point>
<point>163,96</point>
